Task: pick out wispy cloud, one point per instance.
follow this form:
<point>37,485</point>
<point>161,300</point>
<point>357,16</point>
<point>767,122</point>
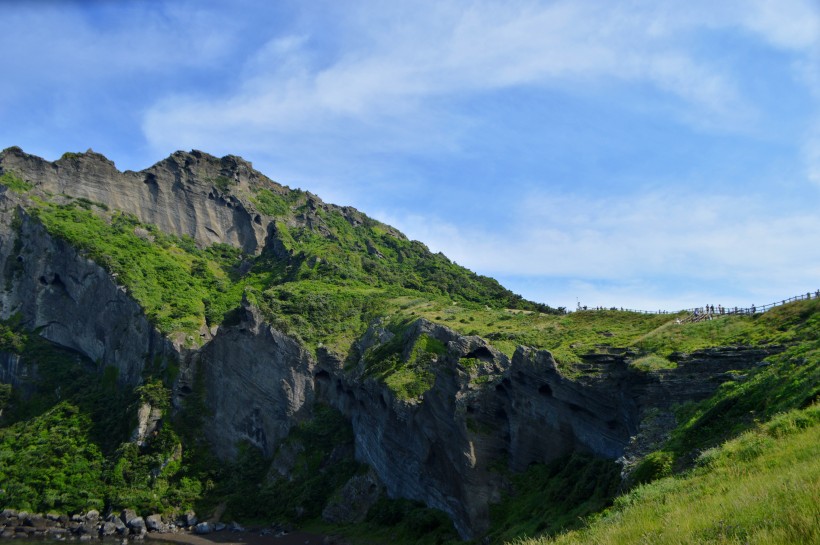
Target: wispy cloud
<point>623,241</point>
<point>397,69</point>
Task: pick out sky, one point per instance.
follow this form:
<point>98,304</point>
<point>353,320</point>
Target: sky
<point>639,154</point>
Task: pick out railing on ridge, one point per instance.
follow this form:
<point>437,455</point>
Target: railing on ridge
<point>697,314</point>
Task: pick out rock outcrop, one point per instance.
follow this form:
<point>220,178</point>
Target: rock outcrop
<point>258,383</point>
<point>484,409</point>
<point>72,301</point>
<point>189,194</point>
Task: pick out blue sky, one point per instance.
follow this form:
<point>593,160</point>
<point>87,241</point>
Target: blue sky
<point>643,154</point>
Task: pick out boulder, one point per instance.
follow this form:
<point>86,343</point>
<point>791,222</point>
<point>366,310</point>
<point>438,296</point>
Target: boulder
<point>188,519</point>
<point>203,528</point>
<point>137,525</point>
<point>86,528</point>
<point>122,529</point>
<point>154,523</point>
<point>127,516</point>
<point>108,528</point>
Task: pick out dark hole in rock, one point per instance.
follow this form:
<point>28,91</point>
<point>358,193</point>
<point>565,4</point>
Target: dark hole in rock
<point>545,390</point>
<point>481,353</point>
<point>57,281</point>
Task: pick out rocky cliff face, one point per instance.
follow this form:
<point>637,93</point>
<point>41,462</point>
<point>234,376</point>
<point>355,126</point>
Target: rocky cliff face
<point>483,411</point>
<point>442,449</point>
<point>258,383</point>
<point>72,301</point>
<point>183,195</point>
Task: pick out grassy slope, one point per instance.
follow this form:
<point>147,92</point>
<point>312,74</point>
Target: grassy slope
<point>334,278</point>
<point>761,487</point>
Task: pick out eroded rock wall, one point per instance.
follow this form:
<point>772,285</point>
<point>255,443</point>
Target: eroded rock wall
<point>70,300</point>
<point>257,384</point>
<point>183,194</point>
<point>484,410</point>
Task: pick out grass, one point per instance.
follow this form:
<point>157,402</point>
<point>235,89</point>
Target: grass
<point>780,325</point>
<point>328,275</point>
<point>180,287</point>
<point>552,497</point>
<point>15,183</point>
<point>760,488</point>
<point>653,362</point>
<point>790,380</point>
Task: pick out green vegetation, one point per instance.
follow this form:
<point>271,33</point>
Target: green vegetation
<point>790,380</point>
<point>402,522</point>
<point>551,497</point>
<point>760,488</point>
<point>328,275</point>
<point>50,463</point>
<point>254,490</point>
<point>65,437</point>
<point>653,362</point>
<point>14,183</point>
<point>223,183</point>
<point>180,287</point>
<point>753,445</point>
<point>321,313</point>
<point>410,376</point>
<point>271,203</point>
<point>780,325</point>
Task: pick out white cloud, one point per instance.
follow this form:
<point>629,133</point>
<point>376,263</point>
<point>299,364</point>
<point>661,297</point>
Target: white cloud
<point>643,240</point>
<point>787,24</point>
<point>404,60</point>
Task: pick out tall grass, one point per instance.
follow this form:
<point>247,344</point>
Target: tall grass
<point>760,488</point>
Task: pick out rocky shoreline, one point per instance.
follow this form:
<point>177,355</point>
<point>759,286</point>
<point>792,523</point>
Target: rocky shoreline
<point>91,525</point>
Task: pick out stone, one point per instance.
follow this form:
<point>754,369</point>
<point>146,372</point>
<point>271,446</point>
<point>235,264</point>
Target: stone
<point>108,528</point>
<point>136,525</point>
<point>127,515</point>
<point>154,523</point>
<point>203,528</point>
<point>189,519</point>
<point>120,526</point>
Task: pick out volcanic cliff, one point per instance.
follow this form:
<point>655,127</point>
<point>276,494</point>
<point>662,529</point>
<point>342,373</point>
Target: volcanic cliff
<point>480,409</point>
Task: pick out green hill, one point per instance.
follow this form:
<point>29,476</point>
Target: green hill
<point>388,329</point>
